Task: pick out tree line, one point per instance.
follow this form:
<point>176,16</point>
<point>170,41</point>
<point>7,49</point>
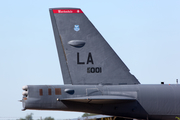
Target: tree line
<point>30,117</point>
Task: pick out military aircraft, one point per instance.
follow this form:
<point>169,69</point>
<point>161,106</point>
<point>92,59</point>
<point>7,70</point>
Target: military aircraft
<point>96,79</point>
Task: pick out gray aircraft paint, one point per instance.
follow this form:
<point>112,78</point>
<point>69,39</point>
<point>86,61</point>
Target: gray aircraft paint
<point>106,68</point>
<point>134,101</point>
<point>112,91</point>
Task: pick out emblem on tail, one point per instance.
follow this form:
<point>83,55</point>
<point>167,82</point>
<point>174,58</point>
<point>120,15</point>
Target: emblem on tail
<point>76,28</point>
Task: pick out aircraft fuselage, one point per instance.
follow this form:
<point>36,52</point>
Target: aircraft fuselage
<point>134,101</point>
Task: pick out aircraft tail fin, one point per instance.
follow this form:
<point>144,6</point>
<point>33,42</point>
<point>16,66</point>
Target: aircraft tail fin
<point>85,56</point>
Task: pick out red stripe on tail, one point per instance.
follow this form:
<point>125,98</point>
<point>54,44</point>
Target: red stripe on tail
<point>67,11</point>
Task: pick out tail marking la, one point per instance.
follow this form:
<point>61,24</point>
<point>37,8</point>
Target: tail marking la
<point>89,59</point>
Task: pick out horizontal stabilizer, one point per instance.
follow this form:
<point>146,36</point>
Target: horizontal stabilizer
<point>101,99</point>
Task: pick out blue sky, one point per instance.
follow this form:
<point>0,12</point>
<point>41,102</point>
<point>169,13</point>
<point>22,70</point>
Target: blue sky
<point>145,34</point>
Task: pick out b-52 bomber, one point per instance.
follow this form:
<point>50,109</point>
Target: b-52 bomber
<point>95,79</point>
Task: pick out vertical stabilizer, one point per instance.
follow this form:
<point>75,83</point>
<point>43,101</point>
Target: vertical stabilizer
<point>85,56</point>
